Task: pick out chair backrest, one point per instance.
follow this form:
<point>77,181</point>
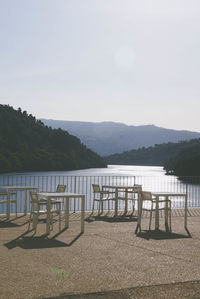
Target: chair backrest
<point>96,188</point>
<point>137,188</point>
<point>61,188</point>
<point>34,201</point>
<point>146,195</point>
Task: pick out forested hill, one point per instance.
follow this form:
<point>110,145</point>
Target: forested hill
<point>186,162</point>
<point>26,144</point>
<point>182,159</point>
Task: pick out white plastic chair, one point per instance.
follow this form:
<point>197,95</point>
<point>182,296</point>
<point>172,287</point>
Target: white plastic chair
<point>133,194</point>
<point>12,200</point>
<point>60,188</point>
<point>148,204</point>
<point>101,196</point>
<point>36,211</point>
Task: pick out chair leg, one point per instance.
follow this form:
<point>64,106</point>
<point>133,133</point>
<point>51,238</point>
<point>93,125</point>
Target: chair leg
<point>93,207</point>
<point>51,221</point>
<point>133,204</point>
<point>29,224</point>
<point>59,217</point>
<point>60,221</point>
<point>170,217</point>
<point>150,220</point>
<point>139,228</point>
<point>99,208</point>
<point>35,221</point>
<point>16,205</point>
<point>140,221</point>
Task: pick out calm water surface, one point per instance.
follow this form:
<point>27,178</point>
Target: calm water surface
<point>152,178</point>
<point>112,170</point>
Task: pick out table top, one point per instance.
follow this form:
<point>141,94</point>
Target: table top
<point>60,194</point>
<point>18,187</point>
<point>168,194</point>
<point>118,187</point>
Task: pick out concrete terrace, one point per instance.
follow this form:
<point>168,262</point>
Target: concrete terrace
<point>107,261</point>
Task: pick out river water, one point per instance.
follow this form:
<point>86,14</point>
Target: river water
<point>111,170</point>
<point>152,178</point>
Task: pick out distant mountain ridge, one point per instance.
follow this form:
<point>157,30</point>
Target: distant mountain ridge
<point>108,138</point>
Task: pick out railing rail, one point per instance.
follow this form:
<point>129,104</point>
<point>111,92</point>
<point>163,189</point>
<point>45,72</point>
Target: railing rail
<point>83,185</point>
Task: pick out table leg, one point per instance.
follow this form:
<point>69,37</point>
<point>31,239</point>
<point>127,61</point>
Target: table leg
<point>82,213</point>
<point>166,215</point>
<point>138,227</point>
<point>8,204</point>
<point>116,202</point>
<point>185,220</point>
<point>48,215</point>
<point>67,212</point>
<point>25,202</point>
<point>157,214</point>
<point>126,201</point>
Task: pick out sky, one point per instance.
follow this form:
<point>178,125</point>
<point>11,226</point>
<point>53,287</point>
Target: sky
<point>130,61</point>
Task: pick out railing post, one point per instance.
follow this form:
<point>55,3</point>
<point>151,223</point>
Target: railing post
<point>186,206</point>
<point>74,192</point>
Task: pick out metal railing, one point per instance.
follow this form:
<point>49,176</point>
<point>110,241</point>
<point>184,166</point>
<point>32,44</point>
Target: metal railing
<point>83,185</point>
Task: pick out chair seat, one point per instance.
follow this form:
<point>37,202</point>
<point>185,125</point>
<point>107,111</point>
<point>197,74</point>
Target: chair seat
<point>45,211</point>
<point>122,198</point>
<point>5,200</point>
<point>43,201</point>
<point>6,193</point>
<point>53,201</point>
<point>104,199</point>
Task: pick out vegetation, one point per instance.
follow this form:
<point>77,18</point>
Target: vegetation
<point>26,144</point>
<point>186,162</point>
<point>181,159</point>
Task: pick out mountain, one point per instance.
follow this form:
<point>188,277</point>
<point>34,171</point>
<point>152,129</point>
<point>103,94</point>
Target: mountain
<point>107,138</point>
<point>26,144</point>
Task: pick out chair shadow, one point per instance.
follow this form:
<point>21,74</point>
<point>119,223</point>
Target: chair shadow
<point>7,223</point>
<point>10,223</point>
<point>160,235</point>
<point>106,218</point>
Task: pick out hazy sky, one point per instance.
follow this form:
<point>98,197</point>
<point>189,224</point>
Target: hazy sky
<point>131,61</point>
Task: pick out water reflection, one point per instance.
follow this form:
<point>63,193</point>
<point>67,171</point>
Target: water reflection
<point>152,178</point>
<point>118,170</point>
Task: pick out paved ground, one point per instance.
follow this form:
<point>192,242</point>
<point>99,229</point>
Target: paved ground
<point>107,261</point>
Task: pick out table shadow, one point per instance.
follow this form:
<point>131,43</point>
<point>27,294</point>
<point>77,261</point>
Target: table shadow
<point>32,242</point>
<point>160,235</point>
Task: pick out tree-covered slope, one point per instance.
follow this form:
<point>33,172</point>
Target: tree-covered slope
<point>181,158</point>
<point>186,162</point>
<point>26,144</point>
